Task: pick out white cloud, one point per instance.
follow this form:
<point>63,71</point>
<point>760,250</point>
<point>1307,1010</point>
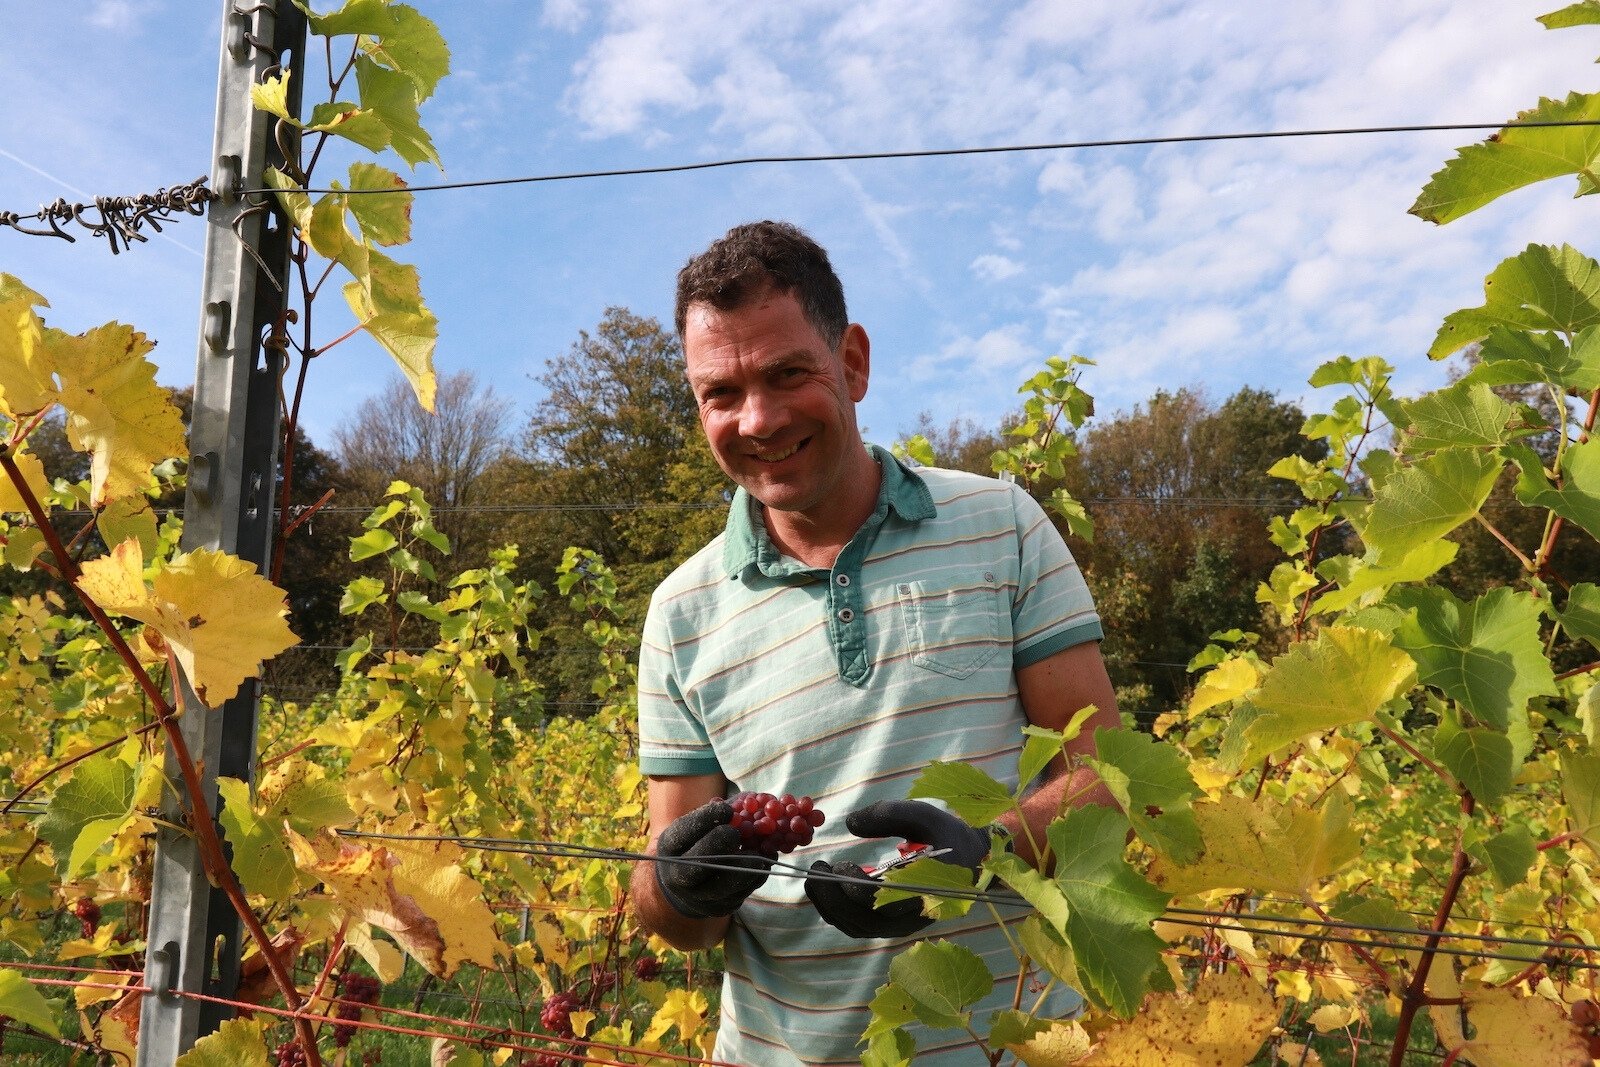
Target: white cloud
<point>993,268</point>
<point>121,16</point>
<point>565,15</point>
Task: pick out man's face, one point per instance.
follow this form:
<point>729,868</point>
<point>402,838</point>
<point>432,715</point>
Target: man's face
<point>777,404</point>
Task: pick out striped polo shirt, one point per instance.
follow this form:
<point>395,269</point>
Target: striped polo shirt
<point>842,684</point>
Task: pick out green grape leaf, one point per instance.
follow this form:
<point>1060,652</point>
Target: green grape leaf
<point>362,593</point>
<point>312,804</point>
<point>1365,576</point>
<point>1487,654</point>
<point>1427,499</point>
<point>384,217</point>
<point>1589,715</point>
<point>88,810</point>
<point>1009,1027</point>
<point>1342,676</point>
<point>353,16</point>
<point>388,304</point>
<point>1151,782</point>
<point>1541,288</point>
<point>1048,947</point>
<point>891,1008</point>
<point>943,980</point>
<point>1480,758</point>
<point>1037,889</point>
<point>929,872</point>
<point>412,45</point>
<point>1508,856</point>
<point>393,98</point>
<point>1110,909</point>
<point>352,122</point>
<point>1039,747</point>
<point>916,448</point>
<point>1518,357</point>
<point>892,1048</point>
<point>261,855</point>
<point>1582,13</point>
<point>1580,788</point>
<point>372,543</point>
<point>1463,415</point>
<point>331,239</point>
<point>1515,157</point>
<point>418,604</point>
<point>1346,371</point>
<point>1580,617</point>
<point>970,793</point>
<point>22,1002</point>
<point>1264,847</point>
<point>236,1043</point>
<point>1577,499</point>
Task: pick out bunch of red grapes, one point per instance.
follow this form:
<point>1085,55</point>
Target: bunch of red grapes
<point>88,913</point>
<point>354,991</point>
<point>557,1013</point>
<point>771,825</point>
<point>290,1054</point>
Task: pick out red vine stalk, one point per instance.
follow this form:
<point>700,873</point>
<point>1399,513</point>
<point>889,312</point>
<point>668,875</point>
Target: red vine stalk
<point>1416,994</point>
<point>1384,977</point>
<point>1411,751</point>
<point>204,829</point>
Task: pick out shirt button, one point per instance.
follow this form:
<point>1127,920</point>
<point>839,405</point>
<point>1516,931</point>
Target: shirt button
<point>843,579</point>
<point>988,576</point>
<point>846,614</point>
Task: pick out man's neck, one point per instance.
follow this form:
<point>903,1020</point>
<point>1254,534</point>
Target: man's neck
<point>816,540</point>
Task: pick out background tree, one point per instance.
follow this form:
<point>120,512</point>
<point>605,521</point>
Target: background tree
<point>454,455</point>
<point>611,456</point>
<point>1181,501</point>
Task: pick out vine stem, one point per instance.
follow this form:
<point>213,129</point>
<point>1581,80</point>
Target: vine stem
<point>203,828</point>
<point>1416,993</point>
<point>1527,564</point>
<point>1412,751</point>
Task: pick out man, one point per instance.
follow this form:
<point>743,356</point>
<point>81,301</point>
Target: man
<point>854,622</point>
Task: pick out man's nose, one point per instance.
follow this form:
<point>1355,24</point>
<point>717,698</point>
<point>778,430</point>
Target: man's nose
<point>762,415</point>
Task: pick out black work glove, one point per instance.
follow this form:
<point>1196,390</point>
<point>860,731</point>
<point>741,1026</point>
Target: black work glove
<point>848,906</point>
<point>702,892</point>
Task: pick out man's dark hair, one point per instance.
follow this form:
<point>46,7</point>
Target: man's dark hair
<point>742,264</point>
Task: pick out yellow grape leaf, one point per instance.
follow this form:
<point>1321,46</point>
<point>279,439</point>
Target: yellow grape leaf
<point>1223,1023</point>
<point>219,616</point>
<point>129,516</point>
<point>387,301</point>
<point>1294,1054</point>
<point>1513,1031</point>
<point>115,410</point>
<point>100,988</point>
<point>581,1021</point>
<point>1266,845</point>
<point>1345,675</point>
<point>552,942</point>
<point>684,1009</point>
<point>385,960</point>
<point>1063,1044</point>
<point>1228,680</point>
<point>32,475</point>
<point>1292,983</point>
<point>25,371</point>
<point>416,891</point>
<point>1580,788</point>
<point>236,1043</point>
<point>1334,1017</point>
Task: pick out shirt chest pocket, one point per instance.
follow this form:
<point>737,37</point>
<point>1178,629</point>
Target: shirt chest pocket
<point>953,631</point>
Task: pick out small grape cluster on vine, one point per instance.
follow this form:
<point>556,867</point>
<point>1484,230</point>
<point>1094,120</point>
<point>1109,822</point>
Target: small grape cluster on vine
<point>355,990</point>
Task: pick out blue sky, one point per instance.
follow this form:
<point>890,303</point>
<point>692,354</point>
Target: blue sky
<point>1216,266</point>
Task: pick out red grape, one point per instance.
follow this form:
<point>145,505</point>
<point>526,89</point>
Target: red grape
<point>646,968</point>
<point>557,1014</point>
<point>354,991</point>
<point>771,825</point>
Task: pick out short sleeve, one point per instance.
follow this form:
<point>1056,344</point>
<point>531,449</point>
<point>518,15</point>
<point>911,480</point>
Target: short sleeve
<point>1053,609</point>
<point>672,739</point>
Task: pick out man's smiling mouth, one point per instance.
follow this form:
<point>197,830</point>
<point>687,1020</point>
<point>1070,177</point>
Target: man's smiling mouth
<point>780,456</point>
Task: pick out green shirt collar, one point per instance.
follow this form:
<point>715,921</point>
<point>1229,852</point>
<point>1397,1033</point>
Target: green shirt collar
<point>745,541</point>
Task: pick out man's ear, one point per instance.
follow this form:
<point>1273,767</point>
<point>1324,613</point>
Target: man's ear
<point>855,353</point>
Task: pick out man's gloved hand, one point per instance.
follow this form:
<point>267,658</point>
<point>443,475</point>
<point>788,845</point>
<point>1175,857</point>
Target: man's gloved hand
<point>702,892</point>
<point>848,906</point>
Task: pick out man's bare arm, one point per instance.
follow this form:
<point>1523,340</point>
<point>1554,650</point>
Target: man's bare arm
<point>670,797</point>
<point>1052,691</point>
